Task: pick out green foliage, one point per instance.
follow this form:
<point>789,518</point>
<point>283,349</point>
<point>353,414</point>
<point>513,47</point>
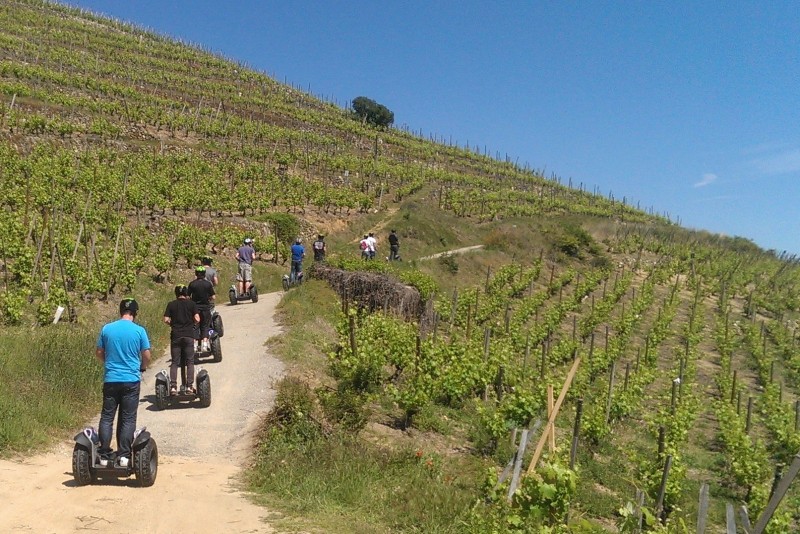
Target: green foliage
<point>11,308</point>
<point>539,505</point>
<point>574,240</point>
<point>371,112</point>
<point>344,406</point>
<point>293,411</point>
<point>449,262</point>
<point>286,225</point>
<point>424,283</point>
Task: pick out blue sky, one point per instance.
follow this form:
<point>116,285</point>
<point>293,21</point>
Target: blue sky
<point>692,108</point>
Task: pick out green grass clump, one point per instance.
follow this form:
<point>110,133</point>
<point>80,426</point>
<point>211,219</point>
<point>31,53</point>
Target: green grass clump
<point>342,483</point>
<point>51,381</point>
<point>49,378</point>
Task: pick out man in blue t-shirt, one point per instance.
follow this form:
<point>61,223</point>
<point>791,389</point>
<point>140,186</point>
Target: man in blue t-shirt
<point>124,350</point>
<point>298,253</point>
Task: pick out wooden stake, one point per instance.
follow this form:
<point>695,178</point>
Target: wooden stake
<point>702,509</point>
<point>663,489</point>
<point>538,451</point>
<point>575,433</point>
<point>352,324</point>
<point>551,429</point>
<point>610,390</point>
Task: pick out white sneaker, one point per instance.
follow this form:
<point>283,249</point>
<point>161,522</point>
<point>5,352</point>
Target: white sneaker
<point>124,461</point>
<point>103,462</point>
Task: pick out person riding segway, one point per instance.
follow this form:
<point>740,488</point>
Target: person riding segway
<point>183,318</point>
<point>244,288</point>
<point>202,293</point>
<point>124,350</point>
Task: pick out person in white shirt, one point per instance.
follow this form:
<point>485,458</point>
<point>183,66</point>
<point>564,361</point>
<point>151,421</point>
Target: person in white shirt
<point>372,246</point>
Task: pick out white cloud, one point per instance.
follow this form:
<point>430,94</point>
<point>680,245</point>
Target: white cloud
<point>706,179</point>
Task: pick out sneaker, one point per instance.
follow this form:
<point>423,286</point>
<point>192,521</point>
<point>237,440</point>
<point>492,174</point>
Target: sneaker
<point>124,461</point>
<point>103,462</point>
<point>173,391</point>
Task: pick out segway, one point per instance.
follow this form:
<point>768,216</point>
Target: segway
<point>214,348</point>
<point>235,297</point>
<point>215,345</point>
<point>202,390</point>
<point>87,466</point>
<point>287,281</point>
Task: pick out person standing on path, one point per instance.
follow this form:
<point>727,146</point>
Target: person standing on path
<point>202,293</point>
<point>320,249</point>
<point>394,246</point>
<point>124,350</point>
<point>245,256</point>
<point>372,246</point>
<point>183,317</point>
<point>364,246</point>
<point>298,253</point>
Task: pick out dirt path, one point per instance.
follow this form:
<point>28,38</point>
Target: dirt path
<point>200,451</point>
<point>454,251</point>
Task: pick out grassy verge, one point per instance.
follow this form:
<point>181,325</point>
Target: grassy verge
<point>48,378</point>
<point>341,483</point>
<point>309,465</point>
<point>50,381</point>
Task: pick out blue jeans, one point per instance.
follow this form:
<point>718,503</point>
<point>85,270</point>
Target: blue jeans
<point>297,267</point>
<point>125,396</point>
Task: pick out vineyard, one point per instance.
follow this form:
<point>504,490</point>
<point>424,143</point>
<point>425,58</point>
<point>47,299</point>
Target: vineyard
<point>125,155</point>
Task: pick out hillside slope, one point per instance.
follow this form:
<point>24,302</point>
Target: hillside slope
<point>124,154</point>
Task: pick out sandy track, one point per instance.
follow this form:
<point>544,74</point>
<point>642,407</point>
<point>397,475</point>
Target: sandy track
<point>200,453</point>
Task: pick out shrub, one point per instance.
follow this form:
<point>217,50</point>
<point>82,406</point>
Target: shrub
<point>345,407</point>
<point>448,261</point>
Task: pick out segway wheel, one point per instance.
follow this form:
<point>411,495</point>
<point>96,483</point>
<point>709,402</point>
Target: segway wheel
<point>204,392</point>
<point>146,464</point>
<point>285,284</point>
<point>254,293</point>
<point>162,396</point>
<point>232,297</point>
<point>216,349</point>
<point>82,470</point>
<point>216,324</point>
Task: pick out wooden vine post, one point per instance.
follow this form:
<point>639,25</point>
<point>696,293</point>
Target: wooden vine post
<point>553,414</point>
<point>551,427</point>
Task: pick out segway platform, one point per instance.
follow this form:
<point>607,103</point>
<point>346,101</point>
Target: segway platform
<point>87,465</point>
<point>235,297</point>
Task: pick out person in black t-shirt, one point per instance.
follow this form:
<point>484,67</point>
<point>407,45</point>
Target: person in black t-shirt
<point>202,293</point>
<point>319,248</point>
<point>182,316</point>
<point>394,247</point>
